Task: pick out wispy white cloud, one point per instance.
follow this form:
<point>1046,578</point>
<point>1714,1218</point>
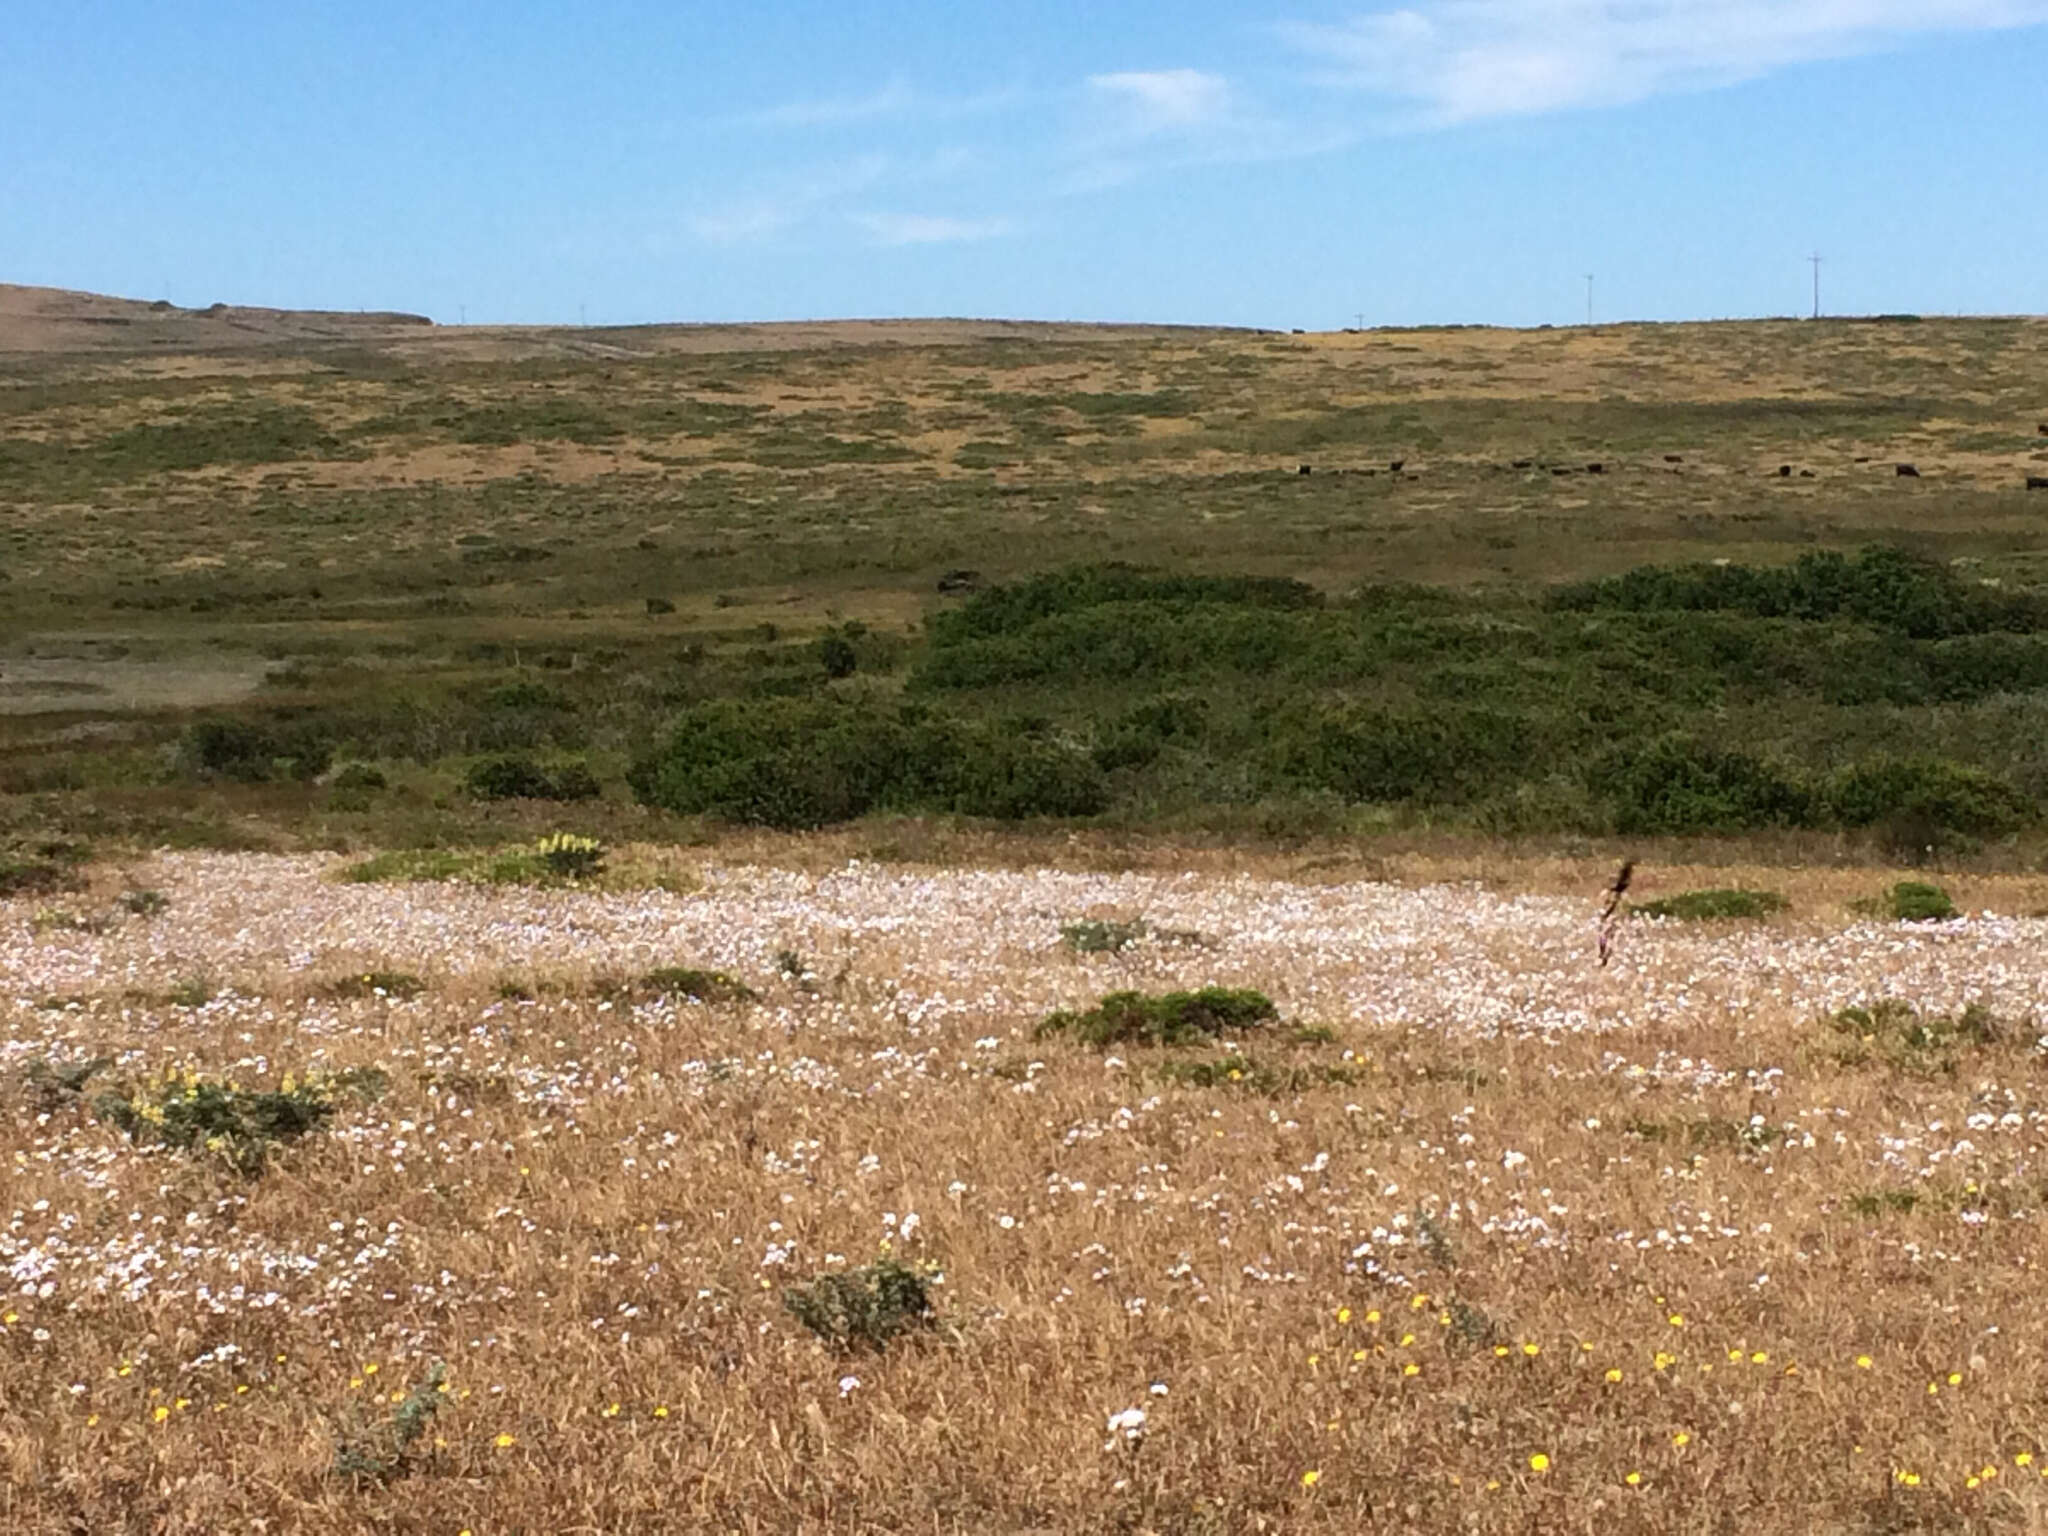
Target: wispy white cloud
<point>895,98</point>
<point>795,200</point>
<point>929,229</point>
<point>890,100</point>
<point>1158,100</point>
<point>1460,60</point>
<point>1136,123</point>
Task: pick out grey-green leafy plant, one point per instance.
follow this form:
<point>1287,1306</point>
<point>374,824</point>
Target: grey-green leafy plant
<point>863,1308</point>
<point>1177,1018</point>
<point>386,1452</point>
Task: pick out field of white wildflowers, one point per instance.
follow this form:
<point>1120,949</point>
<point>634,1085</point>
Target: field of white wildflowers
<point>434,1208</point>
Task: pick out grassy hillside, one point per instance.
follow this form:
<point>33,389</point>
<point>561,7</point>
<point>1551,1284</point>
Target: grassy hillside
<point>229,575</point>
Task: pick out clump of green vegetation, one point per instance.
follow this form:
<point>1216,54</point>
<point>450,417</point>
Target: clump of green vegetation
<point>192,992</point>
<point>398,984</point>
<point>257,751</point>
<point>1176,1018</point>
<point>1910,901</point>
<point>570,857</point>
<point>1893,1030</point>
<point>192,1113</point>
<point>42,868</point>
<point>1102,936</point>
<point>360,777</point>
<point>1715,905</point>
<point>699,986</point>
<point>808,762</point>
<point>400,864</point>
<point>145,903</point>
<point>558,857</point>
<point>64,920</point>
<point>521,778</point>
<point>385,1453</point>
<point>863,1308</point>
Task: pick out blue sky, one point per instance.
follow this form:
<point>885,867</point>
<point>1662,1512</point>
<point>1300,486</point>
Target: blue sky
<point>1297,163</point>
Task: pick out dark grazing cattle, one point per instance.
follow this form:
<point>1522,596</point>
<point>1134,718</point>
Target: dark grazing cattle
<point>1522,463</point>
<point>1784,471</point>
<point>1306,469</point>
<point>2037,482</point>
<point>1596,468</point>
<point>1907,472</point>
<point>1394,466</point>
<point>1674,458</point>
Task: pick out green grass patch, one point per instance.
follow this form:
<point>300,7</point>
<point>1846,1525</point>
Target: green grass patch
<point>1176,1018</point>
<point>1715,905</point>
<point>697,985</point>
<point>1910,901</point>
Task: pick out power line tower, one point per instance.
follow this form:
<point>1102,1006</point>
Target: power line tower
<point>1815,259</point>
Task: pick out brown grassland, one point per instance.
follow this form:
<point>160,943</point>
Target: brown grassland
<point>470,1193</point>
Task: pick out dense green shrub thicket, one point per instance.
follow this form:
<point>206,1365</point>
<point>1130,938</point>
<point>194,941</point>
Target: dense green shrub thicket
<point>805,762</point>
<point>1871,693</point>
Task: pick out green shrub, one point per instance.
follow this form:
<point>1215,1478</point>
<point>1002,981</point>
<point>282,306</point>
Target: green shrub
<point>360,777</point>
<point>1714,905</point>
<point>1882,586</point>
<point>698,986</point>
<point>1177,1018</point>
<point>249,752</point>
<point>186,1111</point>
<point>1910,901</point>
<point>410,864</point>
<point>1680,785</point>
<point>1385,755</point>
<point>1894,1031</point>
<point>837,655</point>
<point>1929,791</point>
<point>863,1308</point>
<point>145,903</point>
<point>799,763</point>
<point>521,778</point>
<point>1099,936</point>
<point>385,1454</point>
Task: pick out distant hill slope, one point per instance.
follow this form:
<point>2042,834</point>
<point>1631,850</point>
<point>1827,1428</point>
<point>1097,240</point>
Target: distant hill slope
<point>57,321</point>
<point>60,320</point>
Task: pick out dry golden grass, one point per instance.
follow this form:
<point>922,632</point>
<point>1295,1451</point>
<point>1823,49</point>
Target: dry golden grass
<point>1546,1246</point>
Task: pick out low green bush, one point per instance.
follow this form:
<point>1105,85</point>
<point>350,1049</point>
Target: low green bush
<point>1677,784</point>
<point>806,762</point>
<point>1910,901</point>
<point>698,986</point>
<point>193,1113</point>
<point>1714,905</point>
<point>521,778</point>
<point>1177,1018</point>
<point>1101,936</point>
<point>864,1308</point>
<point>1940,794</point>
<point>256,752</point>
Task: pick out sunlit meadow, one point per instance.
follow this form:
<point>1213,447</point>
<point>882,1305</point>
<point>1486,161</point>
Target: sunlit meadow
<point>1475,1234</point>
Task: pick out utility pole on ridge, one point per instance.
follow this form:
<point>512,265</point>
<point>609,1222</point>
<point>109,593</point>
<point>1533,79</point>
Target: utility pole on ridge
<point>1589,298</point>
<point>1815,259</point>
